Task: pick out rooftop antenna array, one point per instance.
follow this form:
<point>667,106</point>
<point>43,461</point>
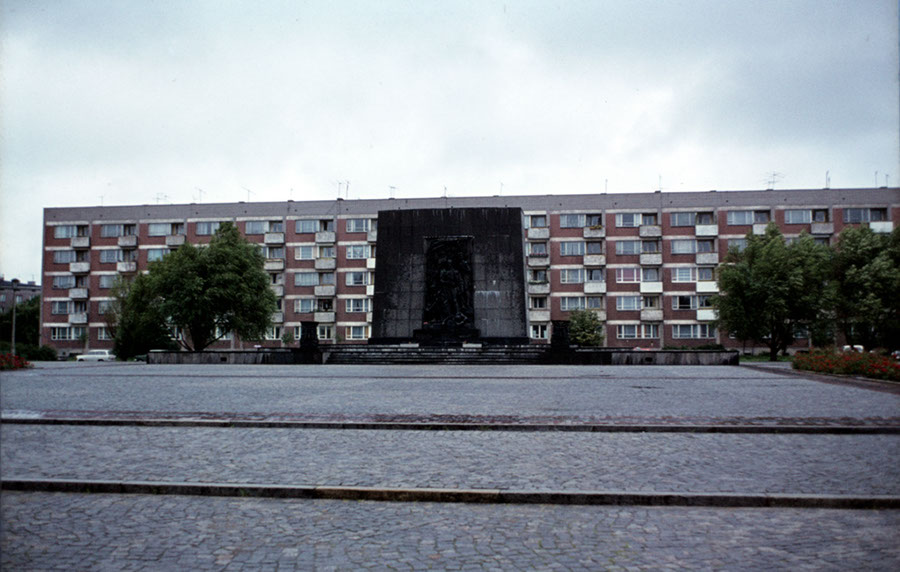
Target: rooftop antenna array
<point>774,177</point>
<point>827,179</point>
<point>392,189</point>
<point>199,194</point>
<point>249,192</point>
<point>161,197</point>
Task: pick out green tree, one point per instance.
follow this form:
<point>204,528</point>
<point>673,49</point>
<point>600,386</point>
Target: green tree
<point>134,319</point>
<point>28,322</point>
<point>209,291</point>
<point>865,287</point>
<point>771,288</point>
<point>585,328</point>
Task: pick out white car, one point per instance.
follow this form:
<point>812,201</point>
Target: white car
<point>96,355</point>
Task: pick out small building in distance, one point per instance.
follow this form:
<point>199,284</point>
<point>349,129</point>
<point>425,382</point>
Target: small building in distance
<point>645,262</point>
<point>24,291</point>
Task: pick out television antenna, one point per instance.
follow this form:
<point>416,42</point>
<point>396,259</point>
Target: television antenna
<point>249,192</point>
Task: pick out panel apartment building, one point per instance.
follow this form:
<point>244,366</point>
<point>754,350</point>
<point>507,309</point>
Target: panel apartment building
<point>646,262</point>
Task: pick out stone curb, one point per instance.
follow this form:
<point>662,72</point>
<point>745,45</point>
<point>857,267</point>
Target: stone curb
<point>483,496</point>
<point>512,427</point>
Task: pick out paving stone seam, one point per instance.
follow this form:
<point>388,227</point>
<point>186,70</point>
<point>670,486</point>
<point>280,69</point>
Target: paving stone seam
<point>509,427</point>
<point>482,496</point>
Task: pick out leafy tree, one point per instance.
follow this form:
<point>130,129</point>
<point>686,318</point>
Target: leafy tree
<point>208,291</point>
<point>135,320</point>
<point>585,328</point>
<point>771,288</point>
<point>865,287</point>
<point>28,326</point>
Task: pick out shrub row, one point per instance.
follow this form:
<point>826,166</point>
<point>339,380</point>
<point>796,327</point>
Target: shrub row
<point>9,361</point>
<point>850,363</point>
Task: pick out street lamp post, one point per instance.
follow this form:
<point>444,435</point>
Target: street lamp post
<point>15,285</point>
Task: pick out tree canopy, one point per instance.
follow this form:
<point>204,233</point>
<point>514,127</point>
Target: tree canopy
<point>585,328</point>
<point>135,320</point>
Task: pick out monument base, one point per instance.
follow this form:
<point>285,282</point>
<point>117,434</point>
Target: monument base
<point>445,336</point>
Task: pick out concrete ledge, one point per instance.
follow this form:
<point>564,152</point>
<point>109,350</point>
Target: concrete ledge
<point>457,495</point>
<point>271,356</point>
<point>610,356</point>
<point>438,426</point>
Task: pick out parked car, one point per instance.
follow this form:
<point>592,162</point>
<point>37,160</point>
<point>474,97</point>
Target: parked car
<point>96,355</point>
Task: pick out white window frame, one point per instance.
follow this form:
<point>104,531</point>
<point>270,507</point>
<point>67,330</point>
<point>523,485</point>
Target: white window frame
<point>309,278</point>
<point>571,303</point>
<point>357,305</point>
<point>571,220</point>
<point>633,305</point>
<point>538,331</point>
<point>357,251</point>
<point>352,278</point>
<point>628,220</point>
<point>571,276</point>
<point>356,332</point>
<point>634,250</point>
<point>358,224</point>
<point>740,218</point>
<point>299,304</point>
<point>683,219</point>
<point>620,275</point>
<point>305,252</point>
<point>207,227</point>
<point>571,248</point>
<point>683,246</point>
<point>681,275</point>
<point>797,216</point>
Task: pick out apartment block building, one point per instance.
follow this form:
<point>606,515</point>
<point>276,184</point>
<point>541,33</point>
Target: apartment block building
<point>646,262</point>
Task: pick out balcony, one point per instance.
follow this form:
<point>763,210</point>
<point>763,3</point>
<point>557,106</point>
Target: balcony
<point>650,231</point>
<point>273,264</point>
<point>541,233</point>
<point>278,317</point>
<point>707,230</point>
<point>651,315</point>
<point>601,314</point>
<point>594,232</point>
<point>78,293</point>
<point>822,228</point>
<point>277,289</point>
<point>759,229</point>
<point>79,318</point>
<point>651,287</point>
<point>81,242</point>
<point>126,267</point>
<point>538,315</point>
<point>130,240</point>
<point>885,226</point>
<point>273,238</point>
<point>707,286</point>
<point>174,240</point>
<point>325,236</point>
<point>372,235</point>
<point>370,264</point>
<point>706,315</point>
<point>707,258</point>
<point>324,317</point>
<point>595,287</point>
<point>538,287</point>
<point>595,260</point>
<point>79,267</point>
<point>325,291</point>
<point>370,290</point>
<point>538,260</point>
<point>326,263</point>
<point>651,259</point>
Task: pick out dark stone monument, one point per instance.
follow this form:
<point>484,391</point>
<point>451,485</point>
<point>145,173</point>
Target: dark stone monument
<point>446,276</point>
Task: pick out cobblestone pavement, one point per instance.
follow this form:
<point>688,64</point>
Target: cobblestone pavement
<point>808,464</point>
<point>66,531</point>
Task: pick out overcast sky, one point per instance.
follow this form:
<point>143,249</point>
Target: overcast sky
<point>134,102</point>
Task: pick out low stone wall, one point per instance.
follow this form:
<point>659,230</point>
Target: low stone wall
<point>602,356</point>
<point>238,357</point>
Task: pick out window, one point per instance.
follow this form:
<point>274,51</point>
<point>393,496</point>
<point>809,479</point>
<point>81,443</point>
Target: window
<point>820,215</point>
<point>358,251</point>
<point>684,246</point>
<point>358,225</point>
<point>705,218</point>
<point>326,225</point>
<point>650,302</point>
<point>628,275</point>
<point>684,302</point>
<point>326,252</point>
<point>60,333</point>
<point>797,216</point>
<point>306,279</point>
<point>683,219</point>
<point>648,219</point>
<point>626,247</point>
<point>304,305</point>
<point>273,251</point>
<point>761,217</point>
<point>59,307</point>
<point>635,331</point>
<point>207,228</point>
<point>569,303</point>
<point>304,252</point>
<point>357,278</point>
<point>594,247</point>
<point>63,256</point>
<point>628,220</point>
<point>159,228</point>
<point>107,281</point>
<point>177,228</point>
<point>103,306</point>
<point>358,304</point>
<point>571,276</point>
<point>273,333</point>
<point>538,302</point>
<point>110,230</point>
<point>571,220</point>
<point>324,304</point>
<point>357,332</point>
<point>537,276</point>
<point>650,275</point>
<point>538,331</point>
<point>864,215</point>
<point>571,248</point>
<point>626,303</point>
<point>650,246</point>
<point>64,231</point>
<point>705,274</point>
<point>595,302</point>
<point>738,244</point>
<point>129,255</point>
<point>739,217</point>
<point>595,275</point>
<point>256,227</point>
<point>693,331</point>
<point>704,301</point>
<point>110,256</point>
<point>154,254</point>
<point>537,249</point>
<point>103,334</point>
<point>684,274</point>
<point>306,226</point>
<point>63,282</point>
<point>325,332</point>
<point>595,220</point>
<point>276,226</point>
<point>537,221</point>
<point>706,245</point>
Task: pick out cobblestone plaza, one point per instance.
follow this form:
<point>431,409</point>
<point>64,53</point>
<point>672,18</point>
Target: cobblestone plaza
<point>681,431</point>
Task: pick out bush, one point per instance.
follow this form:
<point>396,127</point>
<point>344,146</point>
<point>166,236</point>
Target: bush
<point>30,351</point>
<point>9,361</point>
<point>850,363</point>
<point>585,328</point>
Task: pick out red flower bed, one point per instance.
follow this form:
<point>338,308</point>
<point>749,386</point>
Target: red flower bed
<point>9,361</point>
<point>850,363</point>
